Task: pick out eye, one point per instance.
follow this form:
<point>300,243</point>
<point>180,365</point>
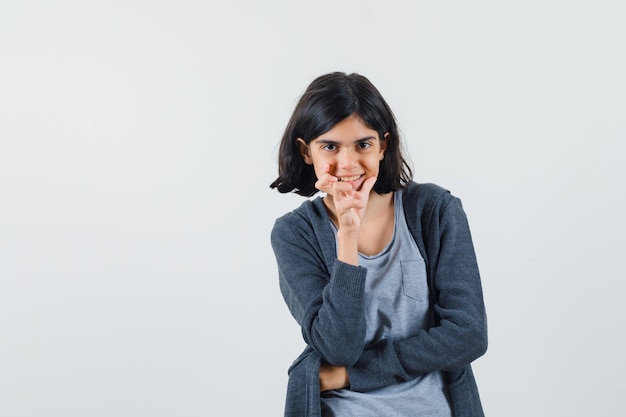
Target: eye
<point>329,147</point>
<point>364,145</point>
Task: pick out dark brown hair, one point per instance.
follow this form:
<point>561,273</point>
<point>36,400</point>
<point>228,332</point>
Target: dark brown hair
<point>328,100</point>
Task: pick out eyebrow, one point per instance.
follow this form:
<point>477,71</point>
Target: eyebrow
<point>334,142</point>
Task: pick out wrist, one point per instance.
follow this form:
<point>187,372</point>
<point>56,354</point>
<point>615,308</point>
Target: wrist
<point>347,234</point>
<point>348,247</point>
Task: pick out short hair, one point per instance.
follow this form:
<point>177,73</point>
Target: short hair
<point>328,100</point>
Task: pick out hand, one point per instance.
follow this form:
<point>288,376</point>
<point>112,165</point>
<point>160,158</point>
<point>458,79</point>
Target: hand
<point>349,204</point>
<point>333,377</point>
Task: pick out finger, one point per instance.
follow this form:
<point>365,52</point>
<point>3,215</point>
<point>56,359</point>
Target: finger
<point>342,191</point>
<point>330,179</point>
<point>361,197</point>
<point>325,184</point>
<point>343,187</point>
<point>325,181</point>
<point>368,184</point>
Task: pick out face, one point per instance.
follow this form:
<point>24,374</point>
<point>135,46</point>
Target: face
<point>352,151</point>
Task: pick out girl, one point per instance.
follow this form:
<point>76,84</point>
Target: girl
<point>380,273</point>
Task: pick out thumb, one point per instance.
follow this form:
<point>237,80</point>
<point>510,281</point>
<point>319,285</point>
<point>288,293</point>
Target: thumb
<point>368,184</point>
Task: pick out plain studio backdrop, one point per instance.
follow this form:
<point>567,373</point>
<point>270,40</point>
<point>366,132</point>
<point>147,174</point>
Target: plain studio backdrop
<point>138,141</point>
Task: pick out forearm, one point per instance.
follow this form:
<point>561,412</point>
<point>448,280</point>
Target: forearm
<point>348,247</point>
<point>444,348</point>
<point>334,323</point>
<point>339,328</point>
<point>324,294</point>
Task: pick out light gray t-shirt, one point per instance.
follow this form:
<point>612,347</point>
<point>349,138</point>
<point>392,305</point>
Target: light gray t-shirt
<point>396,307</point>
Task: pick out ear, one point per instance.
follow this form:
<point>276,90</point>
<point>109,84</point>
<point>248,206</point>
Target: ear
<point>383,145</point>
<point>305,151</point>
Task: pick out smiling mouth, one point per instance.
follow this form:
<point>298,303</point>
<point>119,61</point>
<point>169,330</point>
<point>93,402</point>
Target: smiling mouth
<point>348,179</point>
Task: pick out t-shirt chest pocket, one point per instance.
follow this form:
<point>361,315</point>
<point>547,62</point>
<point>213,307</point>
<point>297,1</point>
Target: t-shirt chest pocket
<point>414,280</point>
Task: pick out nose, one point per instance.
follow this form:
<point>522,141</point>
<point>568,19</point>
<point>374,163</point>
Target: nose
<point>346,159</point>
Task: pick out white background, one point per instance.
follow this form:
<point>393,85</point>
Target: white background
<point>138,141</point>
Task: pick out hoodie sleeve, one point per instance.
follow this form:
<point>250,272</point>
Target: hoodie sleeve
<point>460,333</point>
<point>326,301</point>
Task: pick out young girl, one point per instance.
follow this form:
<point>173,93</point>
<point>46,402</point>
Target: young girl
<point>380,272</point>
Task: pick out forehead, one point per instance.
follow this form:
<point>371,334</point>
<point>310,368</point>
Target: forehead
<point>351,128</point>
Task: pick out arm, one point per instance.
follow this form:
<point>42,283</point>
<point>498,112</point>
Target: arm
<point>327,304</point>
<point>328,307</point>
<point>460,335</point>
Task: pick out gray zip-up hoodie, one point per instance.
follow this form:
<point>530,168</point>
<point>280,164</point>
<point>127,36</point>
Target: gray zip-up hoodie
<point>325,296</point>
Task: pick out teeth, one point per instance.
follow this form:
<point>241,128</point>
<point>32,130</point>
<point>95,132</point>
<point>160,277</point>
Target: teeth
<point>354,178</point>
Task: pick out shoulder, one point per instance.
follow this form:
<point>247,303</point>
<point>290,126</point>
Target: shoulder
<point>304,232</point>
<point>425,197</point>
<point>308,212</point>
<point>301,221</point>
<point>427,207</point>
